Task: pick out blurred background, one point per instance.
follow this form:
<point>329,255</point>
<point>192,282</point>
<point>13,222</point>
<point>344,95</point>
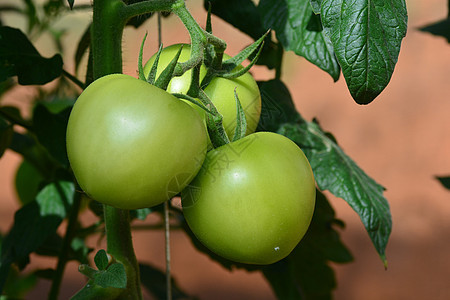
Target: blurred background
<point>402,140</point>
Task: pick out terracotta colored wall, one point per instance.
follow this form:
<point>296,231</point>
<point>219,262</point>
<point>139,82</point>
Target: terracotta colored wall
<point>402,140</point>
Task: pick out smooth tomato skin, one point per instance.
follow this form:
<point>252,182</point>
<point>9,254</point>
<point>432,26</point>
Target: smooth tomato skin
<point>132,145</point>
<point>253,199</point>
<point>219,90</point>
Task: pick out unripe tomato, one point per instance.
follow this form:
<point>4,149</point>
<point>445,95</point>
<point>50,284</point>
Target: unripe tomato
<point>219,90</point>
<point>132,145</point>
<point>253,199</point>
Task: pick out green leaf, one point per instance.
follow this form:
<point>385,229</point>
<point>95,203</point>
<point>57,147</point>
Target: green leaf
<point>19,57</point>
<point>6,134</point>
<point>338,173</point>
<point>440,28</point>
<point>18,285</point>
<point>101,260</point>
<point>50,129</point>
<point>154,281</point>
<point>141,214</point>
<point>292,21</point>
<point>28,182</point>
<point>366,35</point>
<point>445,181</point>
<point>34,223</point>
<point>114,276</point>
<point>242,14</point>
<point>277,106</point>
<point>92,291</point>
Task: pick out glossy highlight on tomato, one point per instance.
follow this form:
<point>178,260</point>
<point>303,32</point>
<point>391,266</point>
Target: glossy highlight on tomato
<point>253,199</point>
<point>220,90</point>
<point>132,145</point>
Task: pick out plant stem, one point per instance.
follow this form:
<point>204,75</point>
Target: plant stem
<point>106,44</point>
<point>64,253</point>
<point>107,29</point>
<point>120,246</point>
<point>167,236</point>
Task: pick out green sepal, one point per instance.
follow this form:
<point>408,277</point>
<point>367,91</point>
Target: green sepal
<point>244,70</point>
<point>194,101</point>
<point>167,74</point>
<point>214,122</point>
<point>241,120</point>
<point>152,74</point>
<point>140,66</point>
<point>208,27</point>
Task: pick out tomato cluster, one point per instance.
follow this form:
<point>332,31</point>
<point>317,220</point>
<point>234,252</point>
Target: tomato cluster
<point>133,145</point>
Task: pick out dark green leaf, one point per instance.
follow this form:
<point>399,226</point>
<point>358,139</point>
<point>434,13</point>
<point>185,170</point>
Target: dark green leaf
<point>338,173</point>
<point>445,181</point>
<point>242,14</point>
<point>34,223</point>
<point>441,28</point>
<point>114,276</point>
<point>277,106</point>
<point>19,57</point>
<point>291,20</point>
<point>366,35</point>
<point>50,129</point>
<point>28,182</point>
<point>154,281</point>
<point>6,134</point>
<point>101,260</point>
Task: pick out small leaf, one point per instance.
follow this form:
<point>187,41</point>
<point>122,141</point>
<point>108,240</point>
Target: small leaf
<point>28,182</point>
<point>445,181</point>
<point>241,121</point>
<point>115,277</point>
<point>140,214</point>
<point>366,36</point>
<point>101,260</point>
<point>18,57</point>
<point>440,28</point>
<point>338,173</point>
<point>92,291</point>
<point>291,20</point>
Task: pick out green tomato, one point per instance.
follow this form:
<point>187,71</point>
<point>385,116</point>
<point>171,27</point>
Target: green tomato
<point>132,145</point>
<point>253,199</point>
<point>219,90</point>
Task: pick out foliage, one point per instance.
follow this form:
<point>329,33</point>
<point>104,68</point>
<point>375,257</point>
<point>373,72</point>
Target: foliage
<point>359,38</point>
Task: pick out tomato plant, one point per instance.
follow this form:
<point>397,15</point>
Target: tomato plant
<point>253,199</point>
<point>116,123</point>
<point>130,146</point>
<point>220,90</point>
